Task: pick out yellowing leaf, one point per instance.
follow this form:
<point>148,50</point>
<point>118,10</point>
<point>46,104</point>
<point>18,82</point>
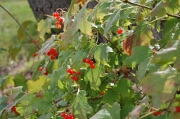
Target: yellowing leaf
<point>39,84</point>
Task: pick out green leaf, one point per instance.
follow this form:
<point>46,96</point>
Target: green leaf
<point>77,59</point>
<point>126,109</point>
<point>14,51</point>
<point>102,114</point>
<point>167,56</point>
<point>44,26</point>
<point>3,103</point>
<point>35,86</point>
<point>46,116</point>
<point>82,23</point>
<point>111,20</point>
<point>140,53</point>
<point>101,53</point>
<point>20,80</point>
<point>3,49</point>
<point>93,76</point>
<point>159,9</point>
<point>43,104</point>
<point>111,96</point>
<point>142,68</point>
<point>114,110</point>
<point>162,84</point>
<point>81,105</point>
<point>21,33</point>
<point>122,87</point>
<point>124,14</point>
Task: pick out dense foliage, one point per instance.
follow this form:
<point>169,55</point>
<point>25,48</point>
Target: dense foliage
<point>133,74</point>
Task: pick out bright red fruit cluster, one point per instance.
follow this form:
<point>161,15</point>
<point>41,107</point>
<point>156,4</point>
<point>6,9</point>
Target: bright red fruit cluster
<point>67,116</point>
<point>59,20</point>
<point>14,110</point>
<point>45,73</point>
<point>120,31</point>
<point>90,62</point>
<point>75,75</point>
<point>52,53</point>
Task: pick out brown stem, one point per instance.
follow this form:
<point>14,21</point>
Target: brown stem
<point>146,7</point>
<point>20,26</point>
<point>172,100</point>
<point>113,45</point>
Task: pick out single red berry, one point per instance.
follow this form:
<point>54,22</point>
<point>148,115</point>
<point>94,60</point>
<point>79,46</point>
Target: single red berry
<point>75,78</point>
<point>57,22</point>
<point>102,92</point>
<point>92,66</point>
<point>70,71</point>
<point>63,114</point>
<point>120,31</point>
<point>60,19</point>
<point>40,68</point>
<point>177,109</point>
<point>46,73</point>
<point>14,110</point>
<point>58,26</point>
<point>53,57</point>
<point>157,113</point>
<point>85,60</point>
<point>55,14</point>
<point>91,62</point>
<point>78,73</point>
<point>35,54</point>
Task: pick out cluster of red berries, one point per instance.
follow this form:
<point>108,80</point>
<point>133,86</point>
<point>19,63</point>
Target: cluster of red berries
<point>59,20</point>
<point>67,116</point>
<point>52,53</point>
<point>90,62</point>
<point>120,31</point>
<point>14,110</point>
<point>75,75</point>
<point>46,71</point>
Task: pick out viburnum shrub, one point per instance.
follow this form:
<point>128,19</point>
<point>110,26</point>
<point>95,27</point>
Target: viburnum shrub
<point>114,61</point>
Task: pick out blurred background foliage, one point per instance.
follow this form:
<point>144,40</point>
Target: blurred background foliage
<point>9,41</point>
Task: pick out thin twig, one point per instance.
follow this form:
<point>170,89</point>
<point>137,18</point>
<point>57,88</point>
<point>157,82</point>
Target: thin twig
<point>56,101</point>
<point>113,44</point>
<point>143,6</point>
<point>20,26</point>
<point>172,100</point>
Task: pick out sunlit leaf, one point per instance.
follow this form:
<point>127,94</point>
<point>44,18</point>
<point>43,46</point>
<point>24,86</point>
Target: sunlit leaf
<point>81,105</point>
<point>35,86</point>
<point>161,83</point>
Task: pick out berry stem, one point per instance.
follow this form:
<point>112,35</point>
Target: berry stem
<point>20,26</point>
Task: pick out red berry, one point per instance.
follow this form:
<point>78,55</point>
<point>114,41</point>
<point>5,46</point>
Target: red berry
<point>157,113</point>
<point>70,71</point>
<point>40,68</point>
<point>92,66</point>
<point>102,92</point>
<point>58,26</point>
<point>75,78</point>
<point>46,73</point>
<point>85,60</point>
<point>78,73</point>
<point>177,109</point>
<point>55,14</point>
<point>53,57</point>
<point>35,54</point>
<point>14,110</point>
<point>120,31</point>
<point>60,19</point>
<point>63,114</point>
